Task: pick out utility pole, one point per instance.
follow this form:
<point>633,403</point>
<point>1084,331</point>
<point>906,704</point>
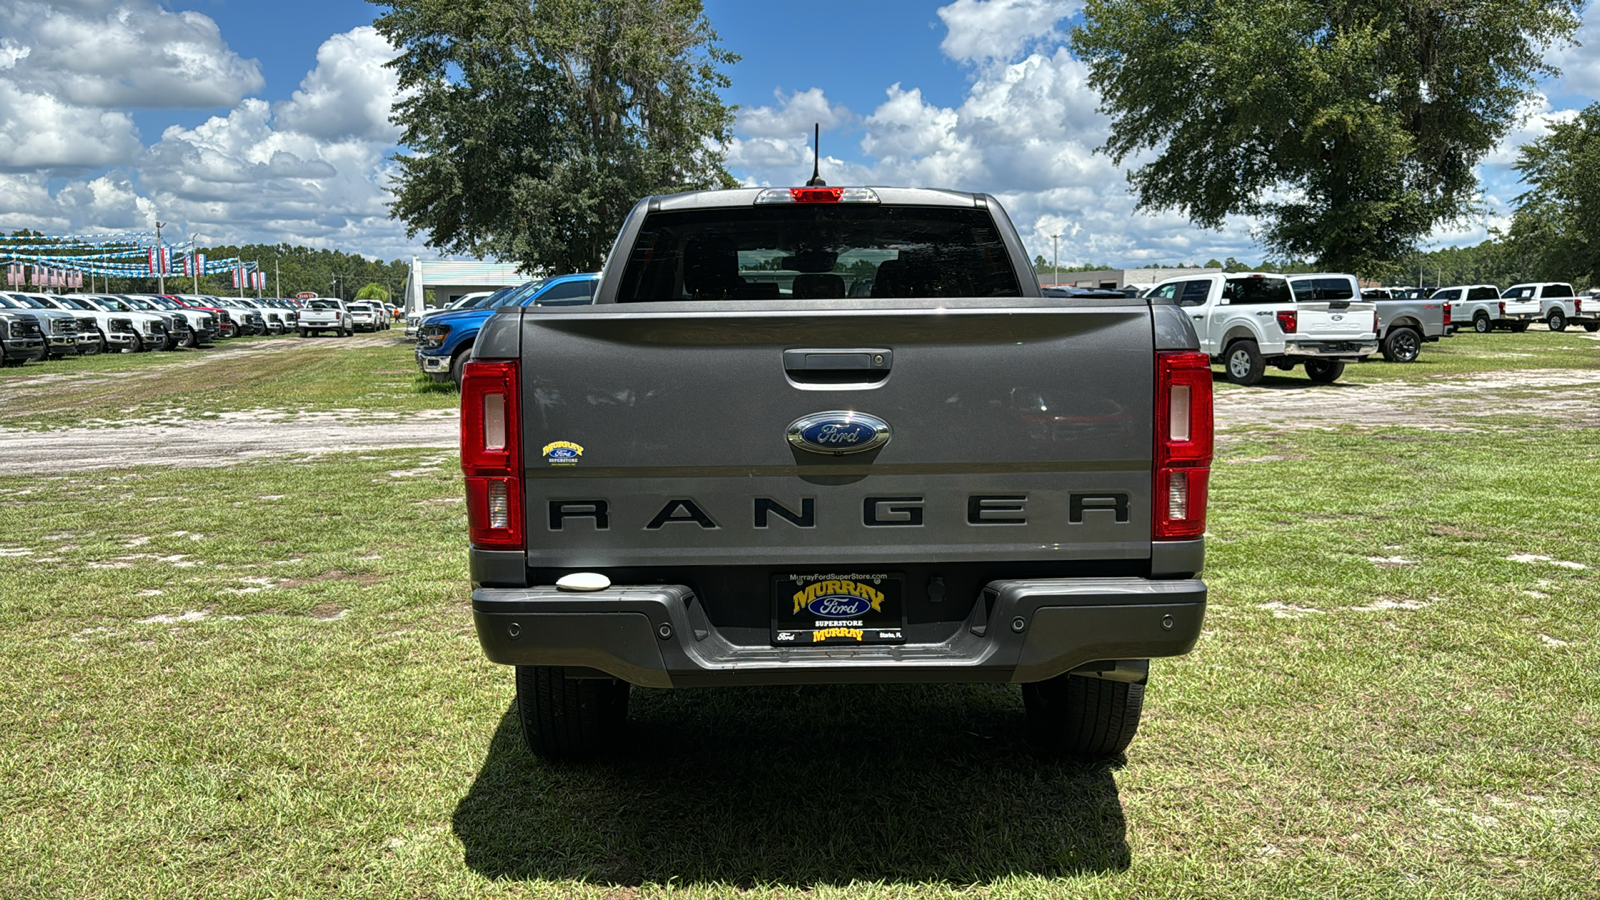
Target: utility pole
<point>1055,264</point>
<point>277,283</point>
<point>161,273</point>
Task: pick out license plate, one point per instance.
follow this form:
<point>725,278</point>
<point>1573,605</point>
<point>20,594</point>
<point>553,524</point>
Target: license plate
<point>811,609</point>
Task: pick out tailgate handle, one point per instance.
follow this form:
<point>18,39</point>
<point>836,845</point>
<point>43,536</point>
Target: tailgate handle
<point>837,366</point>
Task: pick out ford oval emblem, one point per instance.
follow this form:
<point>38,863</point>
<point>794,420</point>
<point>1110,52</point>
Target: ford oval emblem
<point>839,606</point>
<point>839,432</point>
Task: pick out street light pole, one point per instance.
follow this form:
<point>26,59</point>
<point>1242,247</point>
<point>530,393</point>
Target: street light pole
<point>1055,264</point>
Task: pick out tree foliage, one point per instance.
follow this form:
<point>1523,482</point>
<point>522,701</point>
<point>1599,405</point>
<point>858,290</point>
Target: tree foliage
<point>1556,225</point>
<point>537,125</point>
<point>1351,127</point>
<point>373,291</point>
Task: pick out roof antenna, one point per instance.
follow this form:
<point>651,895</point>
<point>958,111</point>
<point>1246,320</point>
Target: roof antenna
<point>816,159</point>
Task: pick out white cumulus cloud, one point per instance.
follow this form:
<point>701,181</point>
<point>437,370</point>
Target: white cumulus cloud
<point>982,30</point>
<point>132,54</point>
<point>349,93</point>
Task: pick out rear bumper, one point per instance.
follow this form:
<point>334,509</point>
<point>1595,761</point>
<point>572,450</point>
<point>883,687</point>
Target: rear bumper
<point>1331,349</point>
<point>1019,631</point>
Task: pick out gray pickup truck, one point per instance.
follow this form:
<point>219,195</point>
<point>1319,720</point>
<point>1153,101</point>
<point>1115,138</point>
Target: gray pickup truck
<point>834,435</point>
<point>1407,319</point>
<point>1404,323</point>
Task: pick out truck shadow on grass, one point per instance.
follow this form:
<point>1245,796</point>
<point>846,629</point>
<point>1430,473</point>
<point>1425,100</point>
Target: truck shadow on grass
<point>1279,380</point>
<point>798,786</point>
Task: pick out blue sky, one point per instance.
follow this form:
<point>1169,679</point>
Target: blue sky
<point>245,120</point>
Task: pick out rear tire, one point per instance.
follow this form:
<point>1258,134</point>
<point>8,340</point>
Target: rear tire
<point>569,718</point>
<point>1324,371</point>
<point>1557,320</point>
<point>1481,324</point>
<point>1072,715</point>
<point>1519,327</point>
<point>1592,327</point>
<point>1243,363</point>
<point>1402,345</point>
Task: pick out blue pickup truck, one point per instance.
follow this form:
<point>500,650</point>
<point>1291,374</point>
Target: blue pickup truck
<point>445,341</point>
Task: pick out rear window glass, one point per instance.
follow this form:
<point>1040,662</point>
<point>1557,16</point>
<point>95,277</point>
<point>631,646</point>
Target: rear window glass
<point>1322,289</point>
<point>818,252</point>
<point>1558,290</point>
<point>1257,290</point>
<point>1483,293</point>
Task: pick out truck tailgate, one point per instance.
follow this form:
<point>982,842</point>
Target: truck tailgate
<point>1319,321</point>
<point>659,433</point>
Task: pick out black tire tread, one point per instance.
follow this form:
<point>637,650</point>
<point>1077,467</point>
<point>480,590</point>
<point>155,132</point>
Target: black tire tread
<point>1075,715</point>
<point>569,718</point>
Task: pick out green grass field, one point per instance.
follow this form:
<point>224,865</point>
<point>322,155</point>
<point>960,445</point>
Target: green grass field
<point>274,689</point>
<point>288,374</point>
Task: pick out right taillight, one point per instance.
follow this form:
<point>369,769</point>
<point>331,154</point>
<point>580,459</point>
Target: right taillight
<point>1183,445</point>
<point>491,453</point>
<point>1502,309</point>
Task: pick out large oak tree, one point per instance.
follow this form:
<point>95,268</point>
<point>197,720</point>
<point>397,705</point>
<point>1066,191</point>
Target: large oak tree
<point>535,126</point>
<point>1351,128</point>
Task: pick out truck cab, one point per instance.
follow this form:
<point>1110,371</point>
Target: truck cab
<point>1247,321</point>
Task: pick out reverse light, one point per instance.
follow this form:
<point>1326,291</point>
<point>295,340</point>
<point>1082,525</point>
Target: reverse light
<point>1183,448</point>
<point>491,453</point>
<point>1287,320</point>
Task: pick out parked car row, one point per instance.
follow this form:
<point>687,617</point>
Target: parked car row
<point>40,326</point>
<point>1250,320</point>
<point>1554,303</point>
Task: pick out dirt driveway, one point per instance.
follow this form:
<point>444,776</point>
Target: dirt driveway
<point>1569,398</point>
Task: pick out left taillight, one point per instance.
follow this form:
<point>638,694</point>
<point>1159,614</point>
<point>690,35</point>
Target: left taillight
<point>1183,446</point>
<point>491,453</point>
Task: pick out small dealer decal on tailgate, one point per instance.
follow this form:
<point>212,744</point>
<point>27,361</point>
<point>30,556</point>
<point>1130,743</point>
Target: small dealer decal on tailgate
<point>562,453</point>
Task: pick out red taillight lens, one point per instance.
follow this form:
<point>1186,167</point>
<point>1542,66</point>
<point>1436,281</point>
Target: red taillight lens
<point>1374,321</point>
<point>491,453</point>
<point>1183,445</point>
<point>1446,306</point>
<point>816,194</point>
<point>1502,309</point>
<point>1287,320</point>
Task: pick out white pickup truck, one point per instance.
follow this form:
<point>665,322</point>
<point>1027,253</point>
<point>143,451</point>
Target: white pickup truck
<point>325,314</point>
<point>1481,306</point>
<point>1554,303</point>
<point>1249,320</point>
